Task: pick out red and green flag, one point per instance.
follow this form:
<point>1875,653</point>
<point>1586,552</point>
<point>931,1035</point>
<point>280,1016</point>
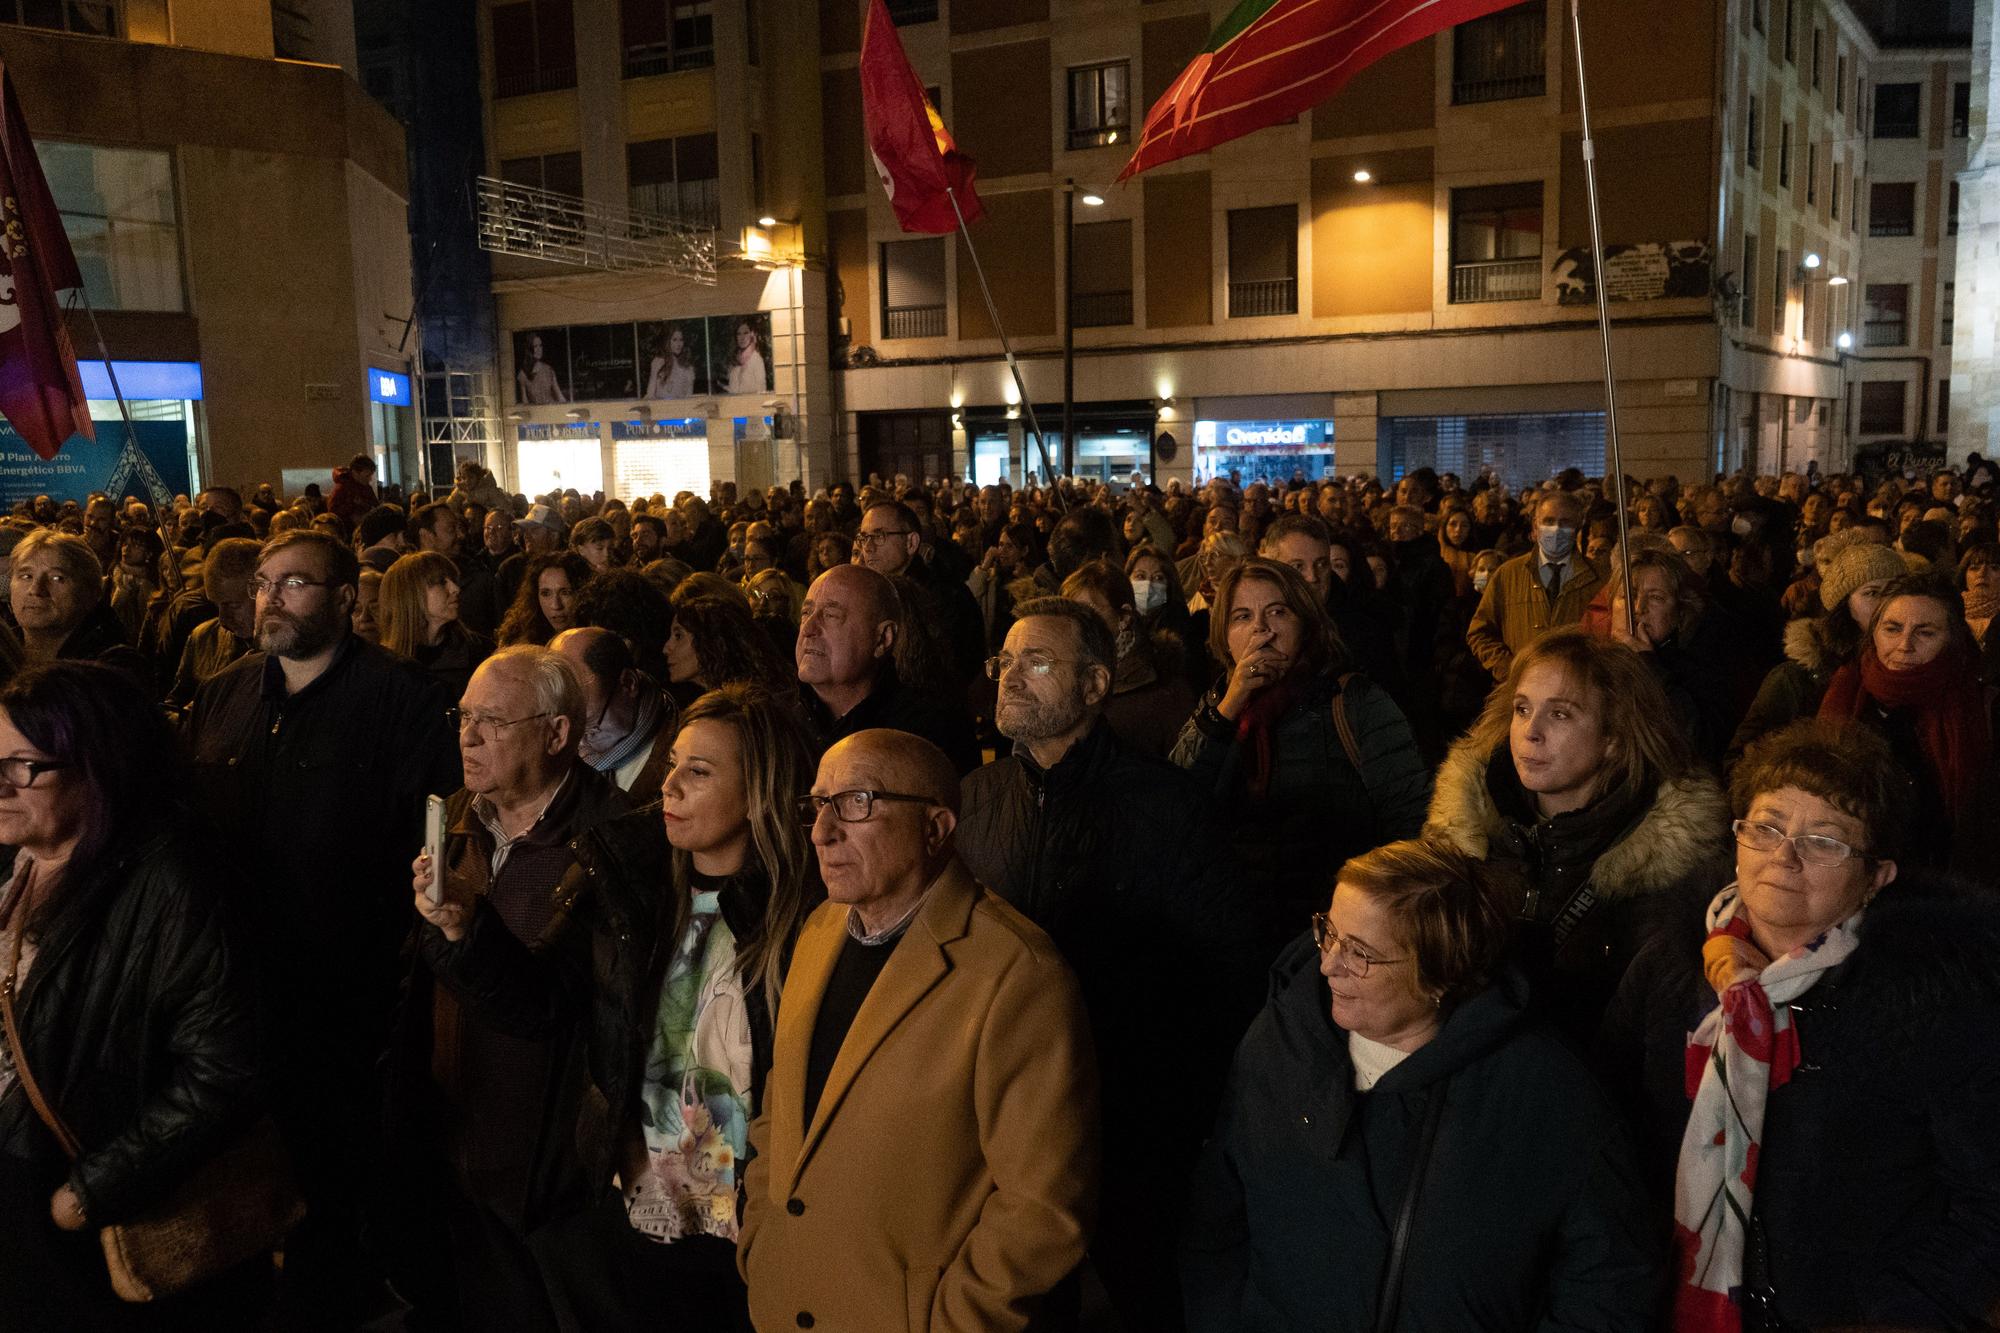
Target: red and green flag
<point>1271,60</point>
<point>913,151</point>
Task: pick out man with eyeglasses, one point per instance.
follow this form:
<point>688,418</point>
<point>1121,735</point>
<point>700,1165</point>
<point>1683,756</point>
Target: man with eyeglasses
<point>891,542</point>
<point>1118,856</point>
<point>311,759</point>
<point>847,668</point>
<point>629,721</point>
<point>927,1154</point>
<point>528,795</point>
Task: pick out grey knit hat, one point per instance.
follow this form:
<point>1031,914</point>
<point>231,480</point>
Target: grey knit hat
<point>1855,566</point>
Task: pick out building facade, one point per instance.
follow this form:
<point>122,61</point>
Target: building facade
<point>240,221</point>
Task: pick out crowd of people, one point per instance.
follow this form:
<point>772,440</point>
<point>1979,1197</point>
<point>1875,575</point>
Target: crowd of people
<point>1337,905</point>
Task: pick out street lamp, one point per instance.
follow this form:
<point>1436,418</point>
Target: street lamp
<point>1091,199</point>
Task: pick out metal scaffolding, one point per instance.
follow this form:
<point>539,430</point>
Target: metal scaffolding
<point>564,229</point>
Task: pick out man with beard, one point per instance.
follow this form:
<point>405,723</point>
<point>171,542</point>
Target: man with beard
<point>1117,856</point>
<point>312,758</point>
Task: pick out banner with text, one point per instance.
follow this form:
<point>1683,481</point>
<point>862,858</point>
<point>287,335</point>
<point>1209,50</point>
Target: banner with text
<point>84,465</point>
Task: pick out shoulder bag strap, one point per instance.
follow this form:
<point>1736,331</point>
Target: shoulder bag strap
<point>1346,728</point>
<point>27,1076</point>
<point>1390,1303</point>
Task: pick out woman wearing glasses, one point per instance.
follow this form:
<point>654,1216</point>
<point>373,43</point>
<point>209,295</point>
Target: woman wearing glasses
<point>1431,1158</point>
<point>1820,1076</point>
<point>676,994</point>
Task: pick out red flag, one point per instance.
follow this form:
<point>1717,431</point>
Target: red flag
<point>40,393</point>
<point>1271,60</point>
<point>913,151</point>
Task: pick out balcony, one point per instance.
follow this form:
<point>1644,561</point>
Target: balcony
<point>1496,280</point>
<point>1100,310</point>
<point>1249,300</point>
<point>1891,225</point>
<point>1885,332</point>
<point>913,321</point>
<point>665,58</point>
<point>526,83</point>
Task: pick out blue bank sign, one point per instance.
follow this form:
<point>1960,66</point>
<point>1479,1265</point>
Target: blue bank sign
<point>386,386</point>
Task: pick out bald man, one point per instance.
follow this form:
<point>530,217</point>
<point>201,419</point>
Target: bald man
<point>628,720</point>
<point>847,668</point>
<point>927,1153</point>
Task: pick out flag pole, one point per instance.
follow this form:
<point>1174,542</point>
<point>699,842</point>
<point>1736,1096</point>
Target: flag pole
<point>1603,311</point>
<point>1013,367</point>
<point>111,373</point>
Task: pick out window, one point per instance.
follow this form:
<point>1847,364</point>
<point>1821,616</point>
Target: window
<point>1961,110</point>
<point>1753,136</point>
<point>95,18</point>
<point>1818,49</point>
<point>1854,213</point>
<point>1947,316</point>
<point>1496,243</point>
<point>1882,407</point>
<point>1892,208</point>
<point>903,13</point>
<point>1784,154</point>
<point>1500,56</point>
<point>561,173</point>
<point>1951,211</point>
<point>1840,83</point>
<point>1781,293</point>
<point>1897,108</point>
<point>1757,14</point>
<point>1263,261</point>
<point>1791,33</point>
<point>534,47</point>
<point>1100,105</point>
<point>1103,267</point>
<point>1748,287</point>
<point>913,288</point>
<point>1885,321</point>
<point>118,210</point>
<point>757,190</point>
<point>676,178</point>
<point>1944,407</point>
<point>663,36</point>
<point>752,38</point>
<point>1812,173</point>
<point>1833,195</point>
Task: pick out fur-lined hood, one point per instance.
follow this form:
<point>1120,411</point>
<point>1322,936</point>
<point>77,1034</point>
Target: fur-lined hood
<point>1805,648</point>
<point>1683,832</point>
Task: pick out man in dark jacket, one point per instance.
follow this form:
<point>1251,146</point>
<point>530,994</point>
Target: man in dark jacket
<point>847,669</point>
<point>57,593</point>
<point>312,759</point>
<point>891,542</point>
<point>1117,857</point>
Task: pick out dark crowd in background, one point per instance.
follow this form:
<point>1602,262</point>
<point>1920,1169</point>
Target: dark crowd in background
<point>1341,905</point>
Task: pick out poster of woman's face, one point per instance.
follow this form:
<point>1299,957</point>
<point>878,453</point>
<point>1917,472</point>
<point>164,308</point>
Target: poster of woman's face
<point>602,361</point>
<point>541,366</point>
<point>740,353</point>
<point>673,358</point>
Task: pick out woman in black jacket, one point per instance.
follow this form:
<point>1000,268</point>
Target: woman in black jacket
<point>676,991</point>
<point>1828,1058</point>
<point>1402,1147</point>
<point>134,1010</point>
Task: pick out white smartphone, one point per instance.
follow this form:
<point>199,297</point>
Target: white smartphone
<point>434,845</point>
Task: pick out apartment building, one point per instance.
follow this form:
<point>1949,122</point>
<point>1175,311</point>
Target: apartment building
<point>1975,360</point>
<point>240,222</point>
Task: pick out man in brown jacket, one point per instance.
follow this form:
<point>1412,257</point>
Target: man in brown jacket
<point>1532,594</point>
<point>927,1153</point>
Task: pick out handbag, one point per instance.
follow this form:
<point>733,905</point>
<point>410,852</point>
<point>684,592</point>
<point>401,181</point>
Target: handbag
<point>240,1203</point>
<point>1390,1303</point>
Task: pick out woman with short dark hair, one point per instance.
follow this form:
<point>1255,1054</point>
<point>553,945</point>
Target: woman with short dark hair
<point>1402,1146</point>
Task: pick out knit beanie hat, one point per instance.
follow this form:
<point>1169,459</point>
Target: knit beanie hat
<point>1854,567</point>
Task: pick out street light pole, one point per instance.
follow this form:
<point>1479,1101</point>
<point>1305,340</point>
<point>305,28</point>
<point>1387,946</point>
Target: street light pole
<point>1069,327</point>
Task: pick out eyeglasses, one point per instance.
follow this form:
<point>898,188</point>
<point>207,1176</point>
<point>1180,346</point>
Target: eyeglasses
<point>484,725</point>
<point>18,772</point>
<point>1815,849</point>
<point>291,583</point>
<point>1330,941</point>
<point>1034,663</point>
<point>851,807</point>
<point>867,540</point>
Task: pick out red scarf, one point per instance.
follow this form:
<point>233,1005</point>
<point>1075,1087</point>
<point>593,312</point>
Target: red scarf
<point>1260,716</point>
<point>1945,697</point>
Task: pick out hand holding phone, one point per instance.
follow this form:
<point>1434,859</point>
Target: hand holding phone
<point>434,846</point>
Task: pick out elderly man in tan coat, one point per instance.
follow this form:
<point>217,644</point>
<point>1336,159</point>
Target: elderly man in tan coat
<point>927,1157</point>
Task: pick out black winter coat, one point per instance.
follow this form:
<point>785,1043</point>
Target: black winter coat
<point>1532,1215</point>
<point>138,1022</point>
<point>1878,1175</point>
<point>943,722</point>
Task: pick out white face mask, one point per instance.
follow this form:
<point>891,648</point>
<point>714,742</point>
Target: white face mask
<point>1480,579</point>
<point>1149,595</point>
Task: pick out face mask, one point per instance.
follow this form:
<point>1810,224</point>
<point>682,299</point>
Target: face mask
<point>1742,527</point>
<point>1479,581</point>
<point>1557,540</point>
<point>1149,595</point>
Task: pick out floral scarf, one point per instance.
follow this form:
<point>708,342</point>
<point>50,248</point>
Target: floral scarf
<point>1743,1048</point>
<point>694,1103</point>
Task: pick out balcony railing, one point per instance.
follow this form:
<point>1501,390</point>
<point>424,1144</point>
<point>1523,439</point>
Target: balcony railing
<point>1892,225</point>
<point>1100,310</point>
<point>665,58</point>
<point>95,18</point>
<point>549,79</point>
<point>1885,332</point>
<point>903,13</point>
<point>1500,57</point>
<point>1496,280</point>
<point>1466,92</point>
<point>1277,296</point>
<point>913,321</point>
<point>564,229</point>
<point>1886,128</point>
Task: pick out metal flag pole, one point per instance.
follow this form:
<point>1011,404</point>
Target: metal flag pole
<point>1603,311</point>
<point>132,453</point>
<point>1013,368</point>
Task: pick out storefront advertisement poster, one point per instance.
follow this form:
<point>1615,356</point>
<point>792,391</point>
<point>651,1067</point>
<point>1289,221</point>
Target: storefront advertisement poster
<point>85,466</point>
<point>673,357</point>
<point>602,362</point>
<point>541,367</point>
<point>740,346</point>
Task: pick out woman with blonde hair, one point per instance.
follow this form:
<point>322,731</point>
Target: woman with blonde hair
<point>676,992</point>
<point>418,615</point>
<point>1578,781</point>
